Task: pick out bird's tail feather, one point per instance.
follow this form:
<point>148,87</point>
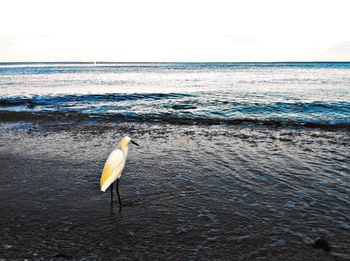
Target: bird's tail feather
<point>105,185</point>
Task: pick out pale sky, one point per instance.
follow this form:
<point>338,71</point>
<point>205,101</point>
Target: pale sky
<point>178,30</point>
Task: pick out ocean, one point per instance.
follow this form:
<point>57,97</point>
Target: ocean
<point>296,94</point>
<point>237,161</point>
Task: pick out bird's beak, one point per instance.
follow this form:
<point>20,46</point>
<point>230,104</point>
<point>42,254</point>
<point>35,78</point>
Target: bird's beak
<point>133,142</point>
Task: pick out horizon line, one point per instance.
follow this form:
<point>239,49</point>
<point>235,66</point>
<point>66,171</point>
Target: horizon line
<point>159,62</point>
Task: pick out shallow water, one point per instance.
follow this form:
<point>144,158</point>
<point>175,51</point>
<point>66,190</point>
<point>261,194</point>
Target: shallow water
<point>189,192</point>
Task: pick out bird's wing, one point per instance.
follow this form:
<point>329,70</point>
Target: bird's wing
<point>114,162</point>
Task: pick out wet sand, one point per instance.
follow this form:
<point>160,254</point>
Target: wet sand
<point>189,192</point>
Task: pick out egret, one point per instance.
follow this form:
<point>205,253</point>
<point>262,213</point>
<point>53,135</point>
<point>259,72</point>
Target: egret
<point>114,166</point>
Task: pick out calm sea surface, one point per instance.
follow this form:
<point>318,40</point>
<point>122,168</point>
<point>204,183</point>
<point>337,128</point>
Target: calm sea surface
<point>315,94</point>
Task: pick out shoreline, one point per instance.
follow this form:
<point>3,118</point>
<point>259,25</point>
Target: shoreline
<point>190,192</point>
<point>71,118</point>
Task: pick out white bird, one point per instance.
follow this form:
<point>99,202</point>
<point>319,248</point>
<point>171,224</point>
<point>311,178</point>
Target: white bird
<point>114,166</point>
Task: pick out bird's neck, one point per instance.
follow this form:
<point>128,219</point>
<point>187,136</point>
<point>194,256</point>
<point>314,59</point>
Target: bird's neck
<point>125,149</point>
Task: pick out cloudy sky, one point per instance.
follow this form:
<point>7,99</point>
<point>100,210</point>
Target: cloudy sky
<point>178,30</point>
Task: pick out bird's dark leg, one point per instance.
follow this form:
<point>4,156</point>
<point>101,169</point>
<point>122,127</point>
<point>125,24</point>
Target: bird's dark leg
<point>120,202</point>
<point>112,193</point>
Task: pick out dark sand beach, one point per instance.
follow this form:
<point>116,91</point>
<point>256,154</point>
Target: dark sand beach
<point>190,192</point>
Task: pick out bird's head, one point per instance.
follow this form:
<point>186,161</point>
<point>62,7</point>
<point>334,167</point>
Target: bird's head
<point>124,142</point>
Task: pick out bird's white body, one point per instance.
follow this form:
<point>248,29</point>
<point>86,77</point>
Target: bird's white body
<point>115,164</point>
